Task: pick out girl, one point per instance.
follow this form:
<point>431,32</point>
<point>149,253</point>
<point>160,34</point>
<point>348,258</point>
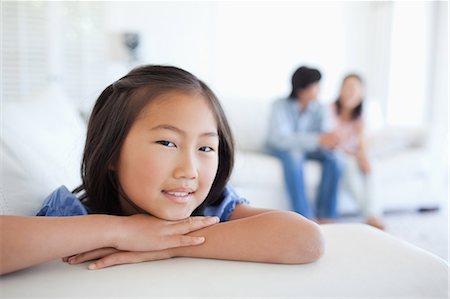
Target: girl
<point>349,127</point>
<point>158,149</point>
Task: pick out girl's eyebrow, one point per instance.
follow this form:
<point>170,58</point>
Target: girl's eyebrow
<point>180,131</point>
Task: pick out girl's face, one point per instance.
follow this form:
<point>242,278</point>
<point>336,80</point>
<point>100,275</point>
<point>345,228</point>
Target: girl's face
<point>351,93</point>
<point>169,158</point>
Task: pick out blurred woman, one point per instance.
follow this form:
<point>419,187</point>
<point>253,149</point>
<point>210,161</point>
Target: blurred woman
<point>349,127</point>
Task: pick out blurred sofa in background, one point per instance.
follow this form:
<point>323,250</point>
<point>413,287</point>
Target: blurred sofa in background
<point>41,146</point>
<point>43,138</point>
<point>400,157</point>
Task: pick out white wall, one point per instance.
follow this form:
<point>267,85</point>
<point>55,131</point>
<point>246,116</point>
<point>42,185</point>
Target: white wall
<point>410,66</point>
<point>438,105</point>
<point>250,49</point>
<point>243,50</point>
<point>176,33</point>
<point>259,45</point>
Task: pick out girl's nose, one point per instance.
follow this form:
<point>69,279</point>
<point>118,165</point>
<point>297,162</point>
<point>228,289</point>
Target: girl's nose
<point>186,168</point>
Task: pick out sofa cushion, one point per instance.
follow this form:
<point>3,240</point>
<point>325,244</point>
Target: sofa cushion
<point>259,178</point>
<point>41,146</point>
<point>249,120</point>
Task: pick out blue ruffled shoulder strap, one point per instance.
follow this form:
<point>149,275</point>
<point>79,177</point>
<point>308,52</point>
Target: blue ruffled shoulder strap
<point>227,206</point>
<point>62,202</point>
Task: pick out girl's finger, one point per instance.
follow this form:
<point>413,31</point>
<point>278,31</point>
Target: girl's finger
<point>65,259</point>
<point>91,255</point>
<point>192,224</point>
<point>128,257</point>
<point>181,240</point>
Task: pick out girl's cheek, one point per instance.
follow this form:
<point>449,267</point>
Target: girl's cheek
<point>210,170</point>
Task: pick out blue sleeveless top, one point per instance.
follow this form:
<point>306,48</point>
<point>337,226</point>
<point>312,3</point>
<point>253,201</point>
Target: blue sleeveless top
<point>62,202</point>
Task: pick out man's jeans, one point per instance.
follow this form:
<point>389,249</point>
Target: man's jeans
<point>293,166</point>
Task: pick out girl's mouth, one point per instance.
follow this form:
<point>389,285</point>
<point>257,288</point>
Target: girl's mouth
<point>180,197</point>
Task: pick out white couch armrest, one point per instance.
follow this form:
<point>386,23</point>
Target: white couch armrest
<point>359,262</point>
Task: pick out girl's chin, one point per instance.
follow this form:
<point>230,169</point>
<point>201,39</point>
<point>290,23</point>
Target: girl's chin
<point>173,217</point>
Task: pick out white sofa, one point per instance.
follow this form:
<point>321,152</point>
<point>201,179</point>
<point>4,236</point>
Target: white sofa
<point>41,145</point>
<point>359,262</point>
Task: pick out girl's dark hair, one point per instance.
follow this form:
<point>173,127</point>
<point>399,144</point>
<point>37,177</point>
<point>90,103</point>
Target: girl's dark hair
<point>112,117</point>
<point>357,111</point>
<point>302,78</point>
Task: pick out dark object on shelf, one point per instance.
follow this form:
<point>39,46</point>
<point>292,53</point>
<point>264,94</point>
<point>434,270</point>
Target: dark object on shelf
<point>428,209</point>
<point>131,42</point>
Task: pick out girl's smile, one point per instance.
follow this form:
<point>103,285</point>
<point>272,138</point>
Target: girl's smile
<point>179,195</point>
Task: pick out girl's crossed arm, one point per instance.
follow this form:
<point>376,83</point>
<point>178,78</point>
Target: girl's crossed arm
<point>27,241</point>
<point>260,235</point>
<point>252,234</point>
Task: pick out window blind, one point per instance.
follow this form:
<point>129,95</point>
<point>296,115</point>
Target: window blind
<point>53,42</point>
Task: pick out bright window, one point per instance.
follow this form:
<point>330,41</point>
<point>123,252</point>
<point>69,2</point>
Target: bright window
<point>409,63</point>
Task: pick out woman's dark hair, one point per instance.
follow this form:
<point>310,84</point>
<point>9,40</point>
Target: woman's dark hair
<point>112,117</point>
<point>302,78</point>
<point>357,111</point>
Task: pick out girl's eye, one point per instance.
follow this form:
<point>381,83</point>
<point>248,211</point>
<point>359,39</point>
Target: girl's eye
<point>206,149</point>
<point>166,143</point>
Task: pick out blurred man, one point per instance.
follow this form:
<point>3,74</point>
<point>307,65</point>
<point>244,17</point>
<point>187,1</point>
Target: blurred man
<point>298,131</point>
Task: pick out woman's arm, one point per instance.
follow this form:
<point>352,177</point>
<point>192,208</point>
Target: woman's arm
<point>361,153</point>
<point>27,241</point>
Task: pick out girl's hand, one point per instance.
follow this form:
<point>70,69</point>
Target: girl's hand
<point>107,257</point>
<point>165,234</point>
<point>90,255</point>
<point>147,233</point>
